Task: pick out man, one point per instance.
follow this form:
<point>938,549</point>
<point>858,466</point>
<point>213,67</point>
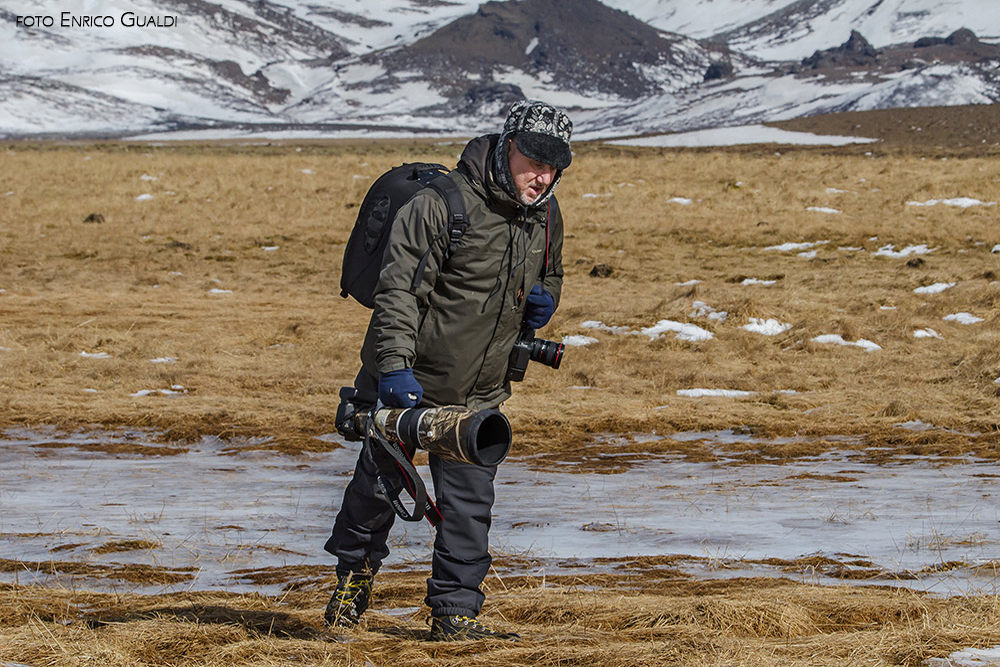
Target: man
<point>448,342</point>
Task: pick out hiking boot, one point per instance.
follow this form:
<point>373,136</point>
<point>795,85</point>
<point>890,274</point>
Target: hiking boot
<point>465,628</point>
<point>349,600</point>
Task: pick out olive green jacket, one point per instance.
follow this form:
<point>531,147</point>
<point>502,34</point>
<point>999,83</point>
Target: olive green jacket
<point>456,330</point>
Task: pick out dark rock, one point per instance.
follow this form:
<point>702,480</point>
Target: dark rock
<point>489,95</point>
<point>915,263</point>
<point>962,37</point>
<point>855,52</point>
<point>93,218</point>
<point>601,271</point>
<point>719,70</point>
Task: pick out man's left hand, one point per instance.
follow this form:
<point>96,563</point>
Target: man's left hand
<point>540,307</point>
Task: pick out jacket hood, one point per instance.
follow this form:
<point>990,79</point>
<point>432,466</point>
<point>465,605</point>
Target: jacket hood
<point>477,162</point>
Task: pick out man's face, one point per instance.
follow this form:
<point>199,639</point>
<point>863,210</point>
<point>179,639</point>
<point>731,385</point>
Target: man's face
<point>531,178</point>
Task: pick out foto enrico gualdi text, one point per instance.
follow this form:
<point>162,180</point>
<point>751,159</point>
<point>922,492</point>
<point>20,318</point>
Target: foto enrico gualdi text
<point>71,20</point>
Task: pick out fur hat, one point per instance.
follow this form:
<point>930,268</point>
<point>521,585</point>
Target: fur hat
<point>541,132</point>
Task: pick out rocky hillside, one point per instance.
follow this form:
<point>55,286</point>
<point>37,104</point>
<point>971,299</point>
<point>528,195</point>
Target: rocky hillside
<point>334,68</point>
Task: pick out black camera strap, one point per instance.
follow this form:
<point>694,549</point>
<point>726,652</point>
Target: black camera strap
<point>397,474</point>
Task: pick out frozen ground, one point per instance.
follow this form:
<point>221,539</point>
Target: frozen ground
<point>923,523</point>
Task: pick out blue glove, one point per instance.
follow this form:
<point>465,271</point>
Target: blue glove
<point>540,307</point>
<point>399,389</point>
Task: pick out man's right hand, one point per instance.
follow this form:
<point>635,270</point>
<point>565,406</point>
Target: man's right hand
<point>399,389</point>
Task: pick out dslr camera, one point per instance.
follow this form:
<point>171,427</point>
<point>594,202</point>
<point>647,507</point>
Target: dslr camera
<point>528,348</point>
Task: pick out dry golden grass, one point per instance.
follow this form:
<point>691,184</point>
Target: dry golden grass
<point>615,621</point>
<point>268,358</point>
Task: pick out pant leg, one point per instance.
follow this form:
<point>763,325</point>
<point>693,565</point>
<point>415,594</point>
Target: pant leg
<point>461,557</point>
<point>362,527</point>
<point>365,518</point>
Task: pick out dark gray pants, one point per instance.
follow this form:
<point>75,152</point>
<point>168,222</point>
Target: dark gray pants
<point>461,559</point>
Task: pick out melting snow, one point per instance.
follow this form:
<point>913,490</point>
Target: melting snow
<point>926,333</point>
<point>144,197</point>
<point>688,332</point>
<point>769,327</point>
<point>890,251</point>
<point>792,247</point>
<point>216,290</point>
<point>823,209</point>
<point>95,355</point>
<point>936,288</point>
<point>702,309</point>
<point>714,393</point>
<point>578,341</point>
<point>601,326</point>
<point>164,360</point>
<point>961,202</point>
<point>758,281</point>
<point>175,390</point>
<point>962,318</point>
<point>680,200</point>
<point>837,339</point>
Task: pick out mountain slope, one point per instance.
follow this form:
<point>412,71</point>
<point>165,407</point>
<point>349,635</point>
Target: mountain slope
<point>581,54</point>
<point>804,26</point>
<point>451,66</point>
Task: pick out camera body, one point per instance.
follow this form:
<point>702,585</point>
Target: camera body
<point>528,348</point>
<point>348,411</point>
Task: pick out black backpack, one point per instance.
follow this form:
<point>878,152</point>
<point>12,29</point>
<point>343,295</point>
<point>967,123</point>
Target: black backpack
<point>370,236</point>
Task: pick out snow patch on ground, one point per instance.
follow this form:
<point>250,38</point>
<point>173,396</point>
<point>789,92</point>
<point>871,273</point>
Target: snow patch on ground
<point>683,331</point>
<point>794,247</point>
<point>768,327</point>
<point>578,341</point>
<point>714,393</point>
<point>962,318</point>
<point>936,288</point>
<point>837,339</point>
<point>961,202</point>
<point>702,309</point>
<point>174,390</point>
<point>890,251</point>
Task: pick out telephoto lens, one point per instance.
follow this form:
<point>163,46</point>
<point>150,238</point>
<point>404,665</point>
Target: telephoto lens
<point>454,432</point>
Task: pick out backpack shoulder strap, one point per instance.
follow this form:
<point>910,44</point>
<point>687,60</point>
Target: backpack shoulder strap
<point>551,208</point>
<point>458,222</point>
<point>456,225</point>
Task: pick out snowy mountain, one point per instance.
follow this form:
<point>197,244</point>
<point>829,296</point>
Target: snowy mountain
<point>793,29</point>
<point>345,67</point>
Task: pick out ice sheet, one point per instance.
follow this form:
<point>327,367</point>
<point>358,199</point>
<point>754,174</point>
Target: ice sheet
<point>219,510</point>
